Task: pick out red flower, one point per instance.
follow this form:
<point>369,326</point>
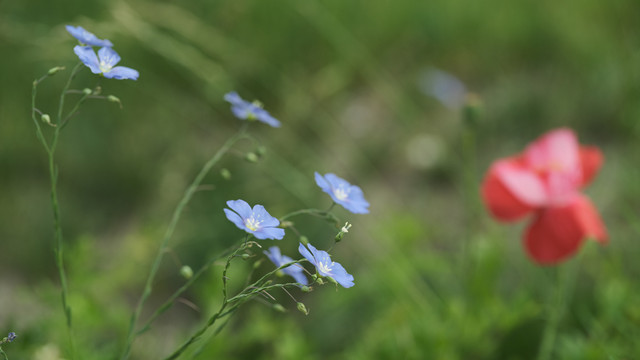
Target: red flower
<point>545,180</point>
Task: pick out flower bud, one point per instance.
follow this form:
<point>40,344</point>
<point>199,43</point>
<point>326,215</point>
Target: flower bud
<point>87,91</point>
<point>304,240</point>
<point>305,288</point>
<point>332,280</point>
<point>278,307</point>
<point>251,157</point>
<point>55,70</point>
<point>245,256</point>
<point>472,110</point>
<point>261,150</point>
<point>186,272</point>
<point>225,173</point>
<point>257,264</point>
<point>302,308</point>
<point>319,281</point>
<point>46,119</point>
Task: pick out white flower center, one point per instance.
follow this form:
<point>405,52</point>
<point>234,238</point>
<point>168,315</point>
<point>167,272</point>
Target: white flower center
<point>325,268</point>
<point>341,194</point>
<point>104,67</point>
<point>252,224</point>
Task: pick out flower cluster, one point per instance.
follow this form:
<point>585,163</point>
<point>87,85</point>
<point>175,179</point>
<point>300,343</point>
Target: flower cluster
<point>106,60</point>
<point>257,221</point>
<point>545,180</point>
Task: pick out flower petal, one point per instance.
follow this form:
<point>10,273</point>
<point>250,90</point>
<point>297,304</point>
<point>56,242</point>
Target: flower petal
<point>241,207</point>
<point>558,232</point>
<point>559,147</point>
<point>108,56</point>
<point>88,57</point>
<point>269,233</point>
<point>306,253</point>
<point>236,219</point>
<point>510,193</point>
<point>341,276</point>
<point>591,159</point>
<point>122,73</point>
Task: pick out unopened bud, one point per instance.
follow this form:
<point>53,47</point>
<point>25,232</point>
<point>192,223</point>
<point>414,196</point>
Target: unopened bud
<point>472,110</point>
<point>305,288</point>
<point>257,264</point>
<point>245,256</point>
<point>186,272</point>
<point>332,280</point>
<point>87,91</point>
<point>304,240</point>
<point>55,70</point>
<point>261,150</point>
<point>251,157</point>
<point>278,307</point>
<point>302,308</point>
<point>46,119</point>
<point>225,173</point>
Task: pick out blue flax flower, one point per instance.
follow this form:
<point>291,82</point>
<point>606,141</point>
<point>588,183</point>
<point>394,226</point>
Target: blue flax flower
<point>296,271</point>
<point>322,261</point>
<point>343,193</point>
<point>256,221</point>
<point>86,37</point>
<point>245,110</point>
<point>105,63</point>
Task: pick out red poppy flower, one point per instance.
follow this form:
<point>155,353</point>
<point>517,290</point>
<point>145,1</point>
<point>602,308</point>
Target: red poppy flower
<point>545,180</point>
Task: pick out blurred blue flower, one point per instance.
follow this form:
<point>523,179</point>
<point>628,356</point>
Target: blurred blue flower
<point>256,221</point>
<point>444,86</point>
<point>105,65</point>
<point>296,271</point>
<point>12,336</point>
<point>322,261</point>
<point>245,110</point>
<point>343,193</point>
<point>87,38</point>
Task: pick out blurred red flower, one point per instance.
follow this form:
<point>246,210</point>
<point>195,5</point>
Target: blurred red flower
<point>545,180</point>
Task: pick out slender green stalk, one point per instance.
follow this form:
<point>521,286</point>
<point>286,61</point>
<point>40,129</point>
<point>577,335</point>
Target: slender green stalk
<point>557,307</point>
<point>169,233</point>
<point>4,355</point>
<point>326,214</point>
<point>53,175</point>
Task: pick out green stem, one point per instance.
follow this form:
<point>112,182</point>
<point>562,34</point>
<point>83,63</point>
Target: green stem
<point>326,214</point>
<point>169,233</point>
<point>557,307</point>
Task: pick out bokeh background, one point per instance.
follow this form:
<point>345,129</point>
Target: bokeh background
<point>410,100</point>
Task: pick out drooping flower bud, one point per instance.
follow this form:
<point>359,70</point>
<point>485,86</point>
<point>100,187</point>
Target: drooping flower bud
<point>302,308</point>
<point>186,272</point>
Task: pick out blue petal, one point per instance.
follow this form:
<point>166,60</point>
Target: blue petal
<point>336,181</point>
<point>305,252</point>
<point>122,73</point>
<point>297,275</point>
<point>264,116</point>
<point>266,220</point>
<point>241,207</point>
<point>322,183</point>
<point>240,111</point>
<point>86,37</point>
<point>236,219</point>
<point>108,56</point>
<point>233,98</point>
<point>88,57</point>
<point>269,233</point>
<point>341,276</point>
<point>274,255</point>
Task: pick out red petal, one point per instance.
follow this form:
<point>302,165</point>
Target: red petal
<point>591,159</point>
<point>557,232</point>
<point>499,199</point>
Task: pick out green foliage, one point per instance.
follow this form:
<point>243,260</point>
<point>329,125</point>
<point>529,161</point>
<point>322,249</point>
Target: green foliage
<point>435,278</point>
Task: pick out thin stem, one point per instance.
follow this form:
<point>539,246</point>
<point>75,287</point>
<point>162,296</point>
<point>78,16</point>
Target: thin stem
<point>326,214</point>
<point>169,233</point>
<point>167,304</point>
<point>557,306</point>
<point>4,356</point>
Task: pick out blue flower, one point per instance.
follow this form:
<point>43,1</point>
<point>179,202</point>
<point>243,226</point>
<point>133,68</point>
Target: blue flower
<point>245,110</point>
<point>256,221</point>
<point>105,66</point>
<point>86,37</point>
<point>296,271</point>
<point>12,336</point>
<point>343,193</point>
<point>322,261</point>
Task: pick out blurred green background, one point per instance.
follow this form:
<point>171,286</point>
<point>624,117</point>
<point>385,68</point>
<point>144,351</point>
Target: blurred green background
<point>436,278</point>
